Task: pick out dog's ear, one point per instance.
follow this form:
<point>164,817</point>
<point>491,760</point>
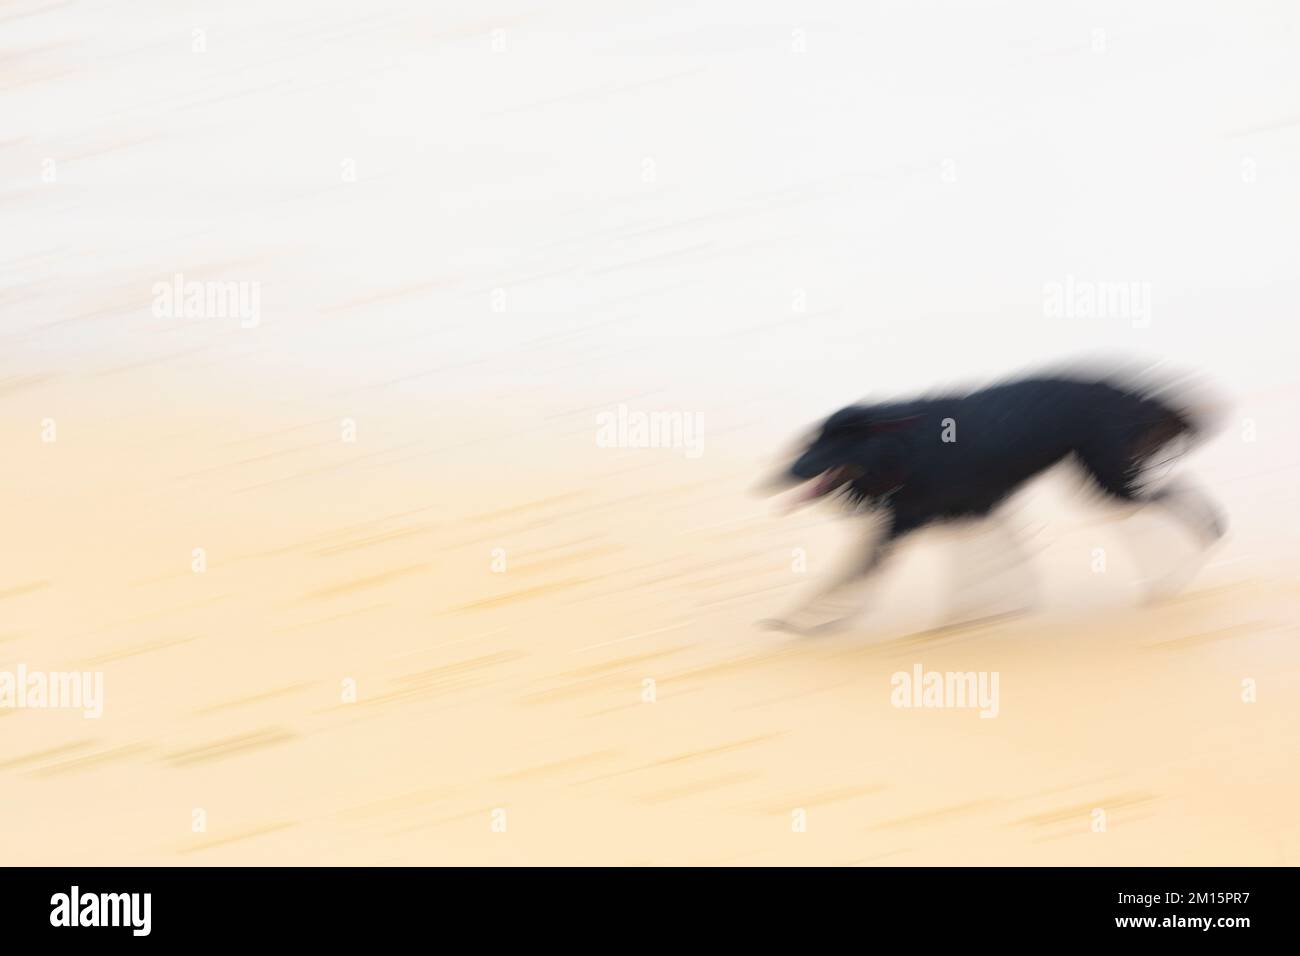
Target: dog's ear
<point>892,424</point>
<point>852,419</point>
<point>864,418</point>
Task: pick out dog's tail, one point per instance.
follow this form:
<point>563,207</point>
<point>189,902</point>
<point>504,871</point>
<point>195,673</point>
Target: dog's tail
<point>1182,410</point>
<point>1182,404</point>
<point>1197,410</point>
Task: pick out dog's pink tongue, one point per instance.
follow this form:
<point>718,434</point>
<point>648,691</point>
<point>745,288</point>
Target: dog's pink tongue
<point>813,489</point>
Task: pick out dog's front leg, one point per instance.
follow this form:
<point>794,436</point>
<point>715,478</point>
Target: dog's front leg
<point>834,604</point>
<point>990,574</point>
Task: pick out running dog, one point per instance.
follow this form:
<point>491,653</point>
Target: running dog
<point>959,456</point>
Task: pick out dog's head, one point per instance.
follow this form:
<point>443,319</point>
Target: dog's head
<point>856,452</point>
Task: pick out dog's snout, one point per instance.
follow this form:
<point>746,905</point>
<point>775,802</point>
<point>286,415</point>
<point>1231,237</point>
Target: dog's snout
<point>812,463</point>
<point>776,483</point>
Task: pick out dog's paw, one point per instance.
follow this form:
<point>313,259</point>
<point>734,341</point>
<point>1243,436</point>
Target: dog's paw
<point>806,630</point>
<point>826,627</point>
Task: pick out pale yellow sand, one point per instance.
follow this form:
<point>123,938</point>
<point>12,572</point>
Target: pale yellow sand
<point>525,690</point>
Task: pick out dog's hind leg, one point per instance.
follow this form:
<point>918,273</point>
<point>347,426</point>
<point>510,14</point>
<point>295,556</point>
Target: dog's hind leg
<point>1119,466</point>
<point>1191,507</point>
<point>1119,478</point>
<point>1117,470</point>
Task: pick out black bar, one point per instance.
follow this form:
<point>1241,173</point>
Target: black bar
<point>329,907</point>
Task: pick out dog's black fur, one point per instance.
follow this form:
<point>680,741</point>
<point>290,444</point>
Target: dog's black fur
<point>959,456</point>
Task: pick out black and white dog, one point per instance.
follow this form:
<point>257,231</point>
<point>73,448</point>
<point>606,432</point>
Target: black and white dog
<point>958,456</point>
